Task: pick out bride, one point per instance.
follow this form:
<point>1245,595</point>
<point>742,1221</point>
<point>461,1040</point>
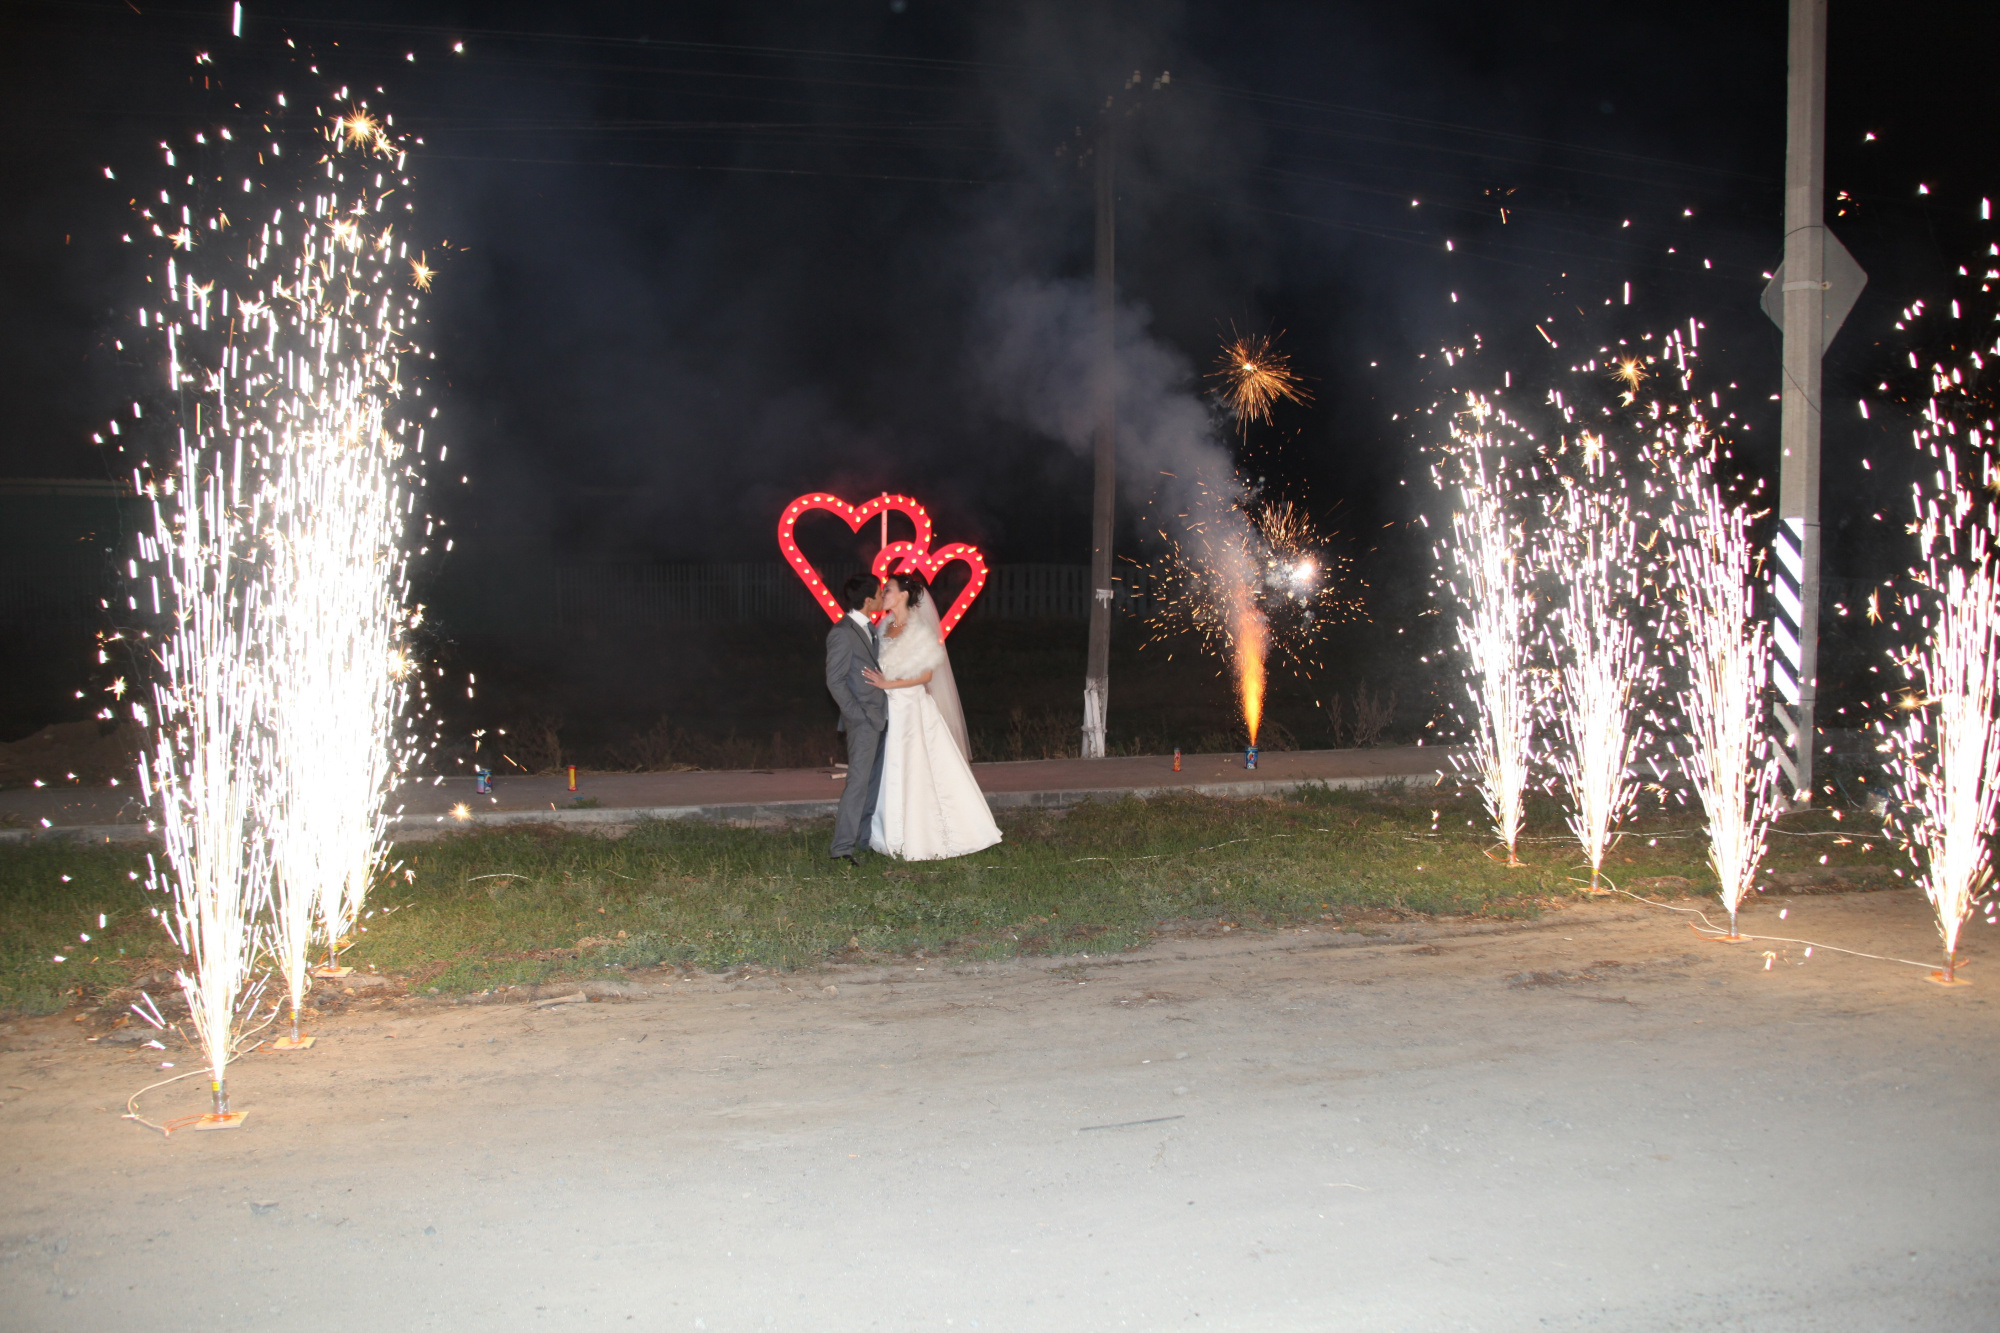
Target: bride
<point>929,807</point>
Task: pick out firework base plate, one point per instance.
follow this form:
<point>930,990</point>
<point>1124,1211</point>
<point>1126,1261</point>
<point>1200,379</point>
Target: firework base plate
<point>1937,978</point>
<point>230,1120</point>
<point>333,973</point>
<point>1727,939</point>
<point>287,1044</point>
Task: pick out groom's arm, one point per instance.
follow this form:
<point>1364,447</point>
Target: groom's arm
<point>839,670</point>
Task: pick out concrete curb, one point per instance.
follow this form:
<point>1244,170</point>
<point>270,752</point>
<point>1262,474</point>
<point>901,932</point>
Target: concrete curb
<point>773,812</point>
<point>110,833</point>
<point>768,812</point>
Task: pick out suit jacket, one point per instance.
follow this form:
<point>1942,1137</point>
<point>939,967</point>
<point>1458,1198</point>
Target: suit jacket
<point>849,651</point>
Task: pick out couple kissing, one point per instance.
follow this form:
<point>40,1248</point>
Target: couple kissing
<point>910,791</point>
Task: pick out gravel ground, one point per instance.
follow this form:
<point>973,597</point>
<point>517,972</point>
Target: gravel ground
<point>1595,1120</point>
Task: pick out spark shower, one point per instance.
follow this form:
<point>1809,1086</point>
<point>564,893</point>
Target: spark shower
<point>275,589</point>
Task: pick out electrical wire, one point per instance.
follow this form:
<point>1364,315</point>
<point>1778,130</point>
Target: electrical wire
<point>1715,932</point>
<point>166,1130</point>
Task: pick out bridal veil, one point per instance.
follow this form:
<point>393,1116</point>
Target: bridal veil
<point>943,688</point>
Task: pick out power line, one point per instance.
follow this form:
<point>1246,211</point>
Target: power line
<point>693,166</point>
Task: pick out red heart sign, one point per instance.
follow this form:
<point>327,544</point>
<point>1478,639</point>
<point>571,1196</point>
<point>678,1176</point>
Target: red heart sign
<point>891,559</point>
<point>907,555</point>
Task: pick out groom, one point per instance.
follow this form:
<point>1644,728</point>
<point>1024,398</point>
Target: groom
<point>864,710</point>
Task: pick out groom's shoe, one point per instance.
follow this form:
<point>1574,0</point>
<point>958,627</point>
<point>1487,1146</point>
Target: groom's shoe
<point>848,857</point>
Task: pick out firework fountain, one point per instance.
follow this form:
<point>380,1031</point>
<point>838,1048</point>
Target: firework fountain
<point>210,753</point>
<point>1611,596</point>
<point>279,730</point>
<point>1254,580</point>
<point>1725,649</point>
<point>1591,546</point>
<point>1247,574</point>
<point>1489,578</point>
<point>1945,753</point>
<point>341,468</point>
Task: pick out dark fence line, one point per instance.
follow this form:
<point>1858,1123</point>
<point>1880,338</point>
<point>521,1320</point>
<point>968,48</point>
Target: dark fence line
<point>634,593</point>
<point>52,590</point>
<point>64,588</point>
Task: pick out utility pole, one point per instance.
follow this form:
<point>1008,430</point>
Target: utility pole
<point>1104,401</point>
<point>1803,293</point>
<point>1104,444</point>
<point>1808,298</point>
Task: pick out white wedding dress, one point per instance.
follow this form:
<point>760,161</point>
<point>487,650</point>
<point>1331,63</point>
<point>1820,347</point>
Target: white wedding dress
<point>929,807</point>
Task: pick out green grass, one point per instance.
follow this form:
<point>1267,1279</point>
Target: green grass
<point>486,909</point>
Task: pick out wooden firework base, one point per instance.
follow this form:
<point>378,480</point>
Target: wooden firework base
<point>223,1120</point>
<point>1948,975</point>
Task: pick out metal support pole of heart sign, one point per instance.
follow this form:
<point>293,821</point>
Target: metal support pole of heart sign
<point>892,558</point>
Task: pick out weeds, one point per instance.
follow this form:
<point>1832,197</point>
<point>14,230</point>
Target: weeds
<point>512,905</point>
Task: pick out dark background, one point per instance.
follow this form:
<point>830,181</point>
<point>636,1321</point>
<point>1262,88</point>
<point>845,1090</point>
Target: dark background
<point>694,260</point>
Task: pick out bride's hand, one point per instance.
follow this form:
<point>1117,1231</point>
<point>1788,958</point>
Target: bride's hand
<point>874,677</point>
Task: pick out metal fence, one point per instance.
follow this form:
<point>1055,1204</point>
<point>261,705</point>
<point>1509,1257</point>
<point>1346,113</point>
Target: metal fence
<point>650,594</point>
<point>61,589</point>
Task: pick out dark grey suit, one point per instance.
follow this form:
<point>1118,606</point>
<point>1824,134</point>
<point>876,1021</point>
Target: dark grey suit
<point>864,716</point>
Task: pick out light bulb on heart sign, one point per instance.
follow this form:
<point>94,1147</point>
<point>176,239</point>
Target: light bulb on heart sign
<point>894,558</point>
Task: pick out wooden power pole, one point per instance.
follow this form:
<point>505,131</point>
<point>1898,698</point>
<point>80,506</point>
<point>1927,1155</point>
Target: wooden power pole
<point>1104,402</point>
<point>1104,445</point>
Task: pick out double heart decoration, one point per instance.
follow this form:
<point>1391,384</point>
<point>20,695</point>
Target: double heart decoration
<point>894,558</point>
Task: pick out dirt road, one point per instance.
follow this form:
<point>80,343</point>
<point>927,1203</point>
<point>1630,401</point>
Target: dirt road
<point>1592,1121</point>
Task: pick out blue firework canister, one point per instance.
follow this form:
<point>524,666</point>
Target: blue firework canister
<point>482,780</point>
<point>1250,757</point>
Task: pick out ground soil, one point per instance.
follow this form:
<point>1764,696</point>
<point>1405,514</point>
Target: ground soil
<point>73,754</point>
<point>1593,1120</point>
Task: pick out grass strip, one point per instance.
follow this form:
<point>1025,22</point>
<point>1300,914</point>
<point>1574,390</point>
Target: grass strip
<point>534,904</point>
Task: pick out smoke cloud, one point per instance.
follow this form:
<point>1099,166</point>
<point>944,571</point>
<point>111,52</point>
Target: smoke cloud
<point>1035,364</point>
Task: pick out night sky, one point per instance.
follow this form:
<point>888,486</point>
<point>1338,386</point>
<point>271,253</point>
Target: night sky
<point>696,259</point>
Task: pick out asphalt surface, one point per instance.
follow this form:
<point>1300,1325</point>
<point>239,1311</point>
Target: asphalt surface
<point>1595,1120</point>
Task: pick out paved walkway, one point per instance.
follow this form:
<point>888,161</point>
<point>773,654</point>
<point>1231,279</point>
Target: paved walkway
<point>767,795</point>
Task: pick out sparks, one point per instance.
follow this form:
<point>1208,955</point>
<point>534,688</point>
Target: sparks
<point>281,708</point>
<point>1483,566</point>
<point>1254,376</point>
<point>1630,373</point>
<point>1253,579</point>
<point>1945,747</point>
<point>420,274</point>
<point>360,128</point>
<point>1725,647</point>
<point>1590,546</point>
<point>201,767</point>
